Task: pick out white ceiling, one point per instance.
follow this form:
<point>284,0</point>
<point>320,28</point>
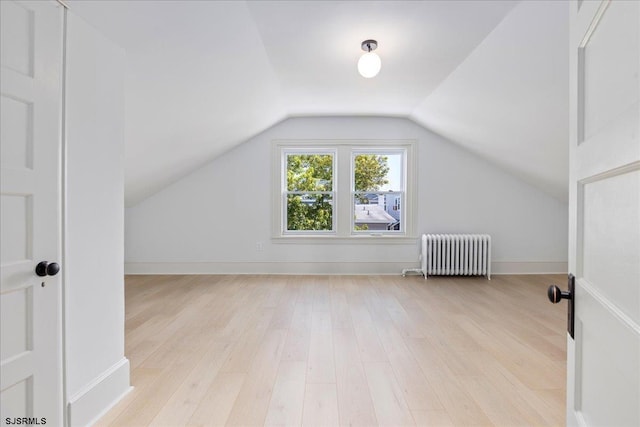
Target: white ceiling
<point>509,100</point>
<point>204,76</point>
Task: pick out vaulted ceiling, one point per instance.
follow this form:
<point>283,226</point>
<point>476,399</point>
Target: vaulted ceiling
<point>205,76</point>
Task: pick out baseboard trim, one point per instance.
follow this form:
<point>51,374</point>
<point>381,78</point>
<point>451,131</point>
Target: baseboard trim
<point>265,268</point>
<point>534,267</point>
<point>330,268</point>
<point>96,398</point>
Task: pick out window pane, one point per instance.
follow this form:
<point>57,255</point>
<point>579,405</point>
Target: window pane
<point>377,211</point>
<point>378,172</point>
<point>309,172</point>
<point>370,172</point>
<point>310,211</point>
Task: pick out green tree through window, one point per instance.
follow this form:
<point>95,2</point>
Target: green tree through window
<point>310,192</point>
<point>370,173</point>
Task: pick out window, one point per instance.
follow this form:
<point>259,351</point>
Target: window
<point>343,189</point>
<point>378,186</point>
<point>309,194</point>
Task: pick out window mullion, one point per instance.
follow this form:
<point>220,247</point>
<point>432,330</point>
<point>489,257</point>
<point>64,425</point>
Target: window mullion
<point>343,189</point>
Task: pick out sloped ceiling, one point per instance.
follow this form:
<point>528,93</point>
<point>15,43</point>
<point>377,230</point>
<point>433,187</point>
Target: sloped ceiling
<point>204,76</point>
<point>509,100</point>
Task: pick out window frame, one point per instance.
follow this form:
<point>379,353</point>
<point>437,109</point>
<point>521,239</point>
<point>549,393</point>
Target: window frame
<point>343,197</point>
<point>402,191</point>
<point>285,192</point>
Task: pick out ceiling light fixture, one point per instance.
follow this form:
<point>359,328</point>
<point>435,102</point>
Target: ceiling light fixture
<point>369,64</point>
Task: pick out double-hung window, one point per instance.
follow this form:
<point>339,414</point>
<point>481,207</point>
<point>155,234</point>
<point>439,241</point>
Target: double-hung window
<point>308,191</point>
<point>344,189</point>
<point>378,187</point>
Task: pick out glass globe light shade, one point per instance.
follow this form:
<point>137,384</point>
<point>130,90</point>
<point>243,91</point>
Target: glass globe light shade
<point>369,65</point>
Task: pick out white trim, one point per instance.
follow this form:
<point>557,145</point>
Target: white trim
<point>579,416</point>
<point>63,217</point>
<point>329,268</point>
<point>594,23</point>
<point>96,398</point>
<point>581,70</point>
<point>529,267</point>
<point>371,238</point>
<point>611,173</point>
<point>610,306</point>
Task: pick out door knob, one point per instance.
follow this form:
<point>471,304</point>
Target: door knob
<point>555,294</point>
<point>45,269</point>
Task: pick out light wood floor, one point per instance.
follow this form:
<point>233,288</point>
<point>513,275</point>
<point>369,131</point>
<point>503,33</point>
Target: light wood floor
<point>343,350</point>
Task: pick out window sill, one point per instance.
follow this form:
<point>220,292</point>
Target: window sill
<point>345,240</point>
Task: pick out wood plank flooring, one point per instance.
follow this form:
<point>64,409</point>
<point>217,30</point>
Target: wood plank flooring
<point>343,350</point>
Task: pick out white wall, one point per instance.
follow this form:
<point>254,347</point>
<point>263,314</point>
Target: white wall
<point>210,221</point>
<point>97,373</point>
<point>512,91</point>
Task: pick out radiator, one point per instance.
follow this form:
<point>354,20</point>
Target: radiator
<point>455,254</point>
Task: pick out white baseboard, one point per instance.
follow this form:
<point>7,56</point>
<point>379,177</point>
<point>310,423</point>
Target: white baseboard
<point>356,268</point>
<point>264,267</point>
<point>96,398</point>
<point>500,267</point>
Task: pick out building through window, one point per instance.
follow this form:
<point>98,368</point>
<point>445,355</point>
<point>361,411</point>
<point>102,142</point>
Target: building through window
<point>343,189</point>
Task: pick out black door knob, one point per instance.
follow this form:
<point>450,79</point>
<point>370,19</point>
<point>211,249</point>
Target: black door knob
<point>45,269</point>
<point>555,294</point>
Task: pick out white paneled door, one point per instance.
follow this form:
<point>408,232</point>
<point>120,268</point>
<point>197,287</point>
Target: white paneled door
<point>603,387</point>
<point>30,123</point>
